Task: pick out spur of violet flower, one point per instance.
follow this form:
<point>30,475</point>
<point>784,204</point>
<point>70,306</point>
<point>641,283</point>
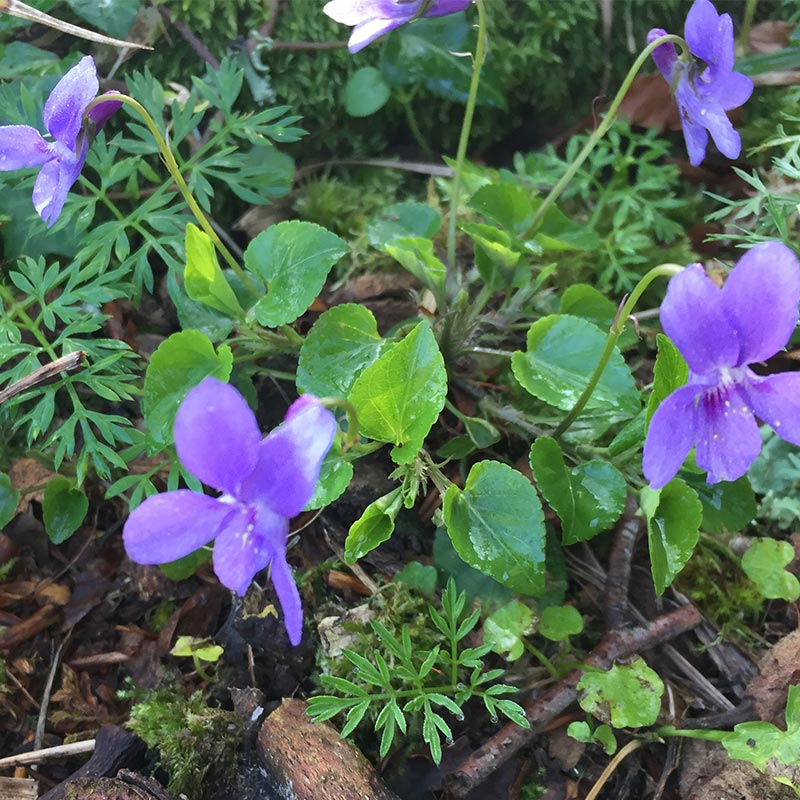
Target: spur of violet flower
<point>264,482</point>
<point>71,127</point>
<point>373,18</point>
<point>705,86</point>
<point>720,332</point>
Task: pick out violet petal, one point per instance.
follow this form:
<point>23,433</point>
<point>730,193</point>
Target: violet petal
<point>665,55</point>
<point>367,32</point>
<point>728,440</point>
<point>64,109</point>
<point>702,30</point>
<point>216,435</point>
<point>670,436</point>
<point>290,459</point>
<point>441,8</point>
<point>734,90</point>
<point>776,400</point>
<point>100,113</point>
<point>693,318</point>
<point>356,12</point>
<point>22,146</point>
<point>55,179</point>
<point>288,596</point>
<point>245,546</point>
<point>760,299</point>
<point>172,525</point>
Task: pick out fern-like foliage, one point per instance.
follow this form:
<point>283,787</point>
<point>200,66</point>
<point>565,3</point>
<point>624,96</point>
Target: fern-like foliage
<point>57,310</point>
<point>399,683</point>
<point>121,221</point>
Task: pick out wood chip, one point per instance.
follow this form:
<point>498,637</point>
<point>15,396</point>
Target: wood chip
<point>18,789</point>
<point>311,762</point>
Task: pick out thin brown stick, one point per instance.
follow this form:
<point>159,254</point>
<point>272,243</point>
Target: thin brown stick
<point>44,374</point>
<point>540,710</point>
<point>48,688</point>
<point>36,756</point>
<point>308,45</point>
<point>626,533</point>
<point>188,35</point>
<point>629,748</point>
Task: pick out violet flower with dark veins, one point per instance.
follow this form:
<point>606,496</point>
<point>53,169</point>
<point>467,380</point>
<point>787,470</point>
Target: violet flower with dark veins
<point>66,120</point>
<point>706,86</point>
<point>720,332</point>
<point>373,18</point>
<point>264,482</point>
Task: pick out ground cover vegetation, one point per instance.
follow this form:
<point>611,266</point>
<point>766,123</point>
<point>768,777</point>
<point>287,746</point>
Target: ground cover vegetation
<point>416,373</point>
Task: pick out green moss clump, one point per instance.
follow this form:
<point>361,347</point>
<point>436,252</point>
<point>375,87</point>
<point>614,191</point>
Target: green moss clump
<point>715,582</point>
<point>198,745</point>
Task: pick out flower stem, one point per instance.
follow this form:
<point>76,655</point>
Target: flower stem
<point>747,24</point>
<point>603,127</point>
<point>615,331</point>
<point>466,126</point>
<point>175,172</point>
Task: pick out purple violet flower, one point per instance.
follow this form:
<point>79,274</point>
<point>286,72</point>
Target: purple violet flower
<point>720,332</point>
<point>373,18</point>
<point>66,120</point>
<point>264,482</point>
<point>707,87</point>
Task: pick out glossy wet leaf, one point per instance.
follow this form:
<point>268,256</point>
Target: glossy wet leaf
<point>674,515</point>
<point>334,478</point>
<point>588,498</point>
<point>401,220</point>
<point>113,17</point>
<point>669,373</point>
<point>557,232</point>
<point>64,507</point>
<point>9,497</point>
<point>203,277</point>
<point>760,742</point>
<point>340,345</point>
<point>365,92</point>
<point>602,735</point>
<point>626,696</point>
<point>399,397</point>
<point>496,255</point>
<point>496,524</point>
<point>727,505</point>
<point>504,629</point>
<point>179,363</point>
<point>562,352</point>
<point>374,526</point>
<point>558,623</point>
<point>507,204</point>
<point>294,259</point>
<point>424,54</point>
<point>764,563</point>
<point>421,578</point>
<point>417,256</point>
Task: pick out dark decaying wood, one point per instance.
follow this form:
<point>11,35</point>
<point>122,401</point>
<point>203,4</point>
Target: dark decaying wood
<point>310,760</point>
<point>115,749</point>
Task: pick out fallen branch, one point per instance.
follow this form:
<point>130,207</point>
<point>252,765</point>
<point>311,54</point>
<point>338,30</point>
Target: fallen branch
<point>542,709</point>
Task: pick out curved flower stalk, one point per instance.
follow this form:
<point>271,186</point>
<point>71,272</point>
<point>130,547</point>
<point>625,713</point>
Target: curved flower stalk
<point>720,332</point>
<point>373,18</point>
<point>707,87</point>
<point>264,482</point>
<point>71,127</point>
